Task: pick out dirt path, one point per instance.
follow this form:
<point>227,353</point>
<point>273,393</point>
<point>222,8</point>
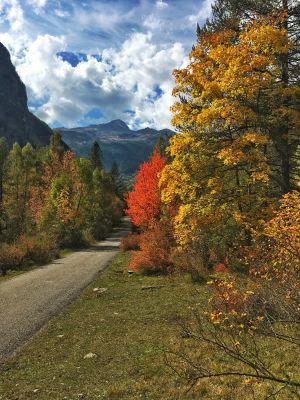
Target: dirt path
<point>28,301</point>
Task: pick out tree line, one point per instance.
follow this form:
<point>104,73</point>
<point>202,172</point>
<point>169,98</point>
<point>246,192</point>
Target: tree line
<point>50,199</point>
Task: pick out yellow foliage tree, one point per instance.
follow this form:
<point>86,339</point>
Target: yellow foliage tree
<point>220,169</point>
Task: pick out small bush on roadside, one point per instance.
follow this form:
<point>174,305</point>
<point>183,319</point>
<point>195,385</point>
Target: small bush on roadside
<point>154,255</point>
<point>12,256</point>
<point>40,249</point>
<point>131,242</point>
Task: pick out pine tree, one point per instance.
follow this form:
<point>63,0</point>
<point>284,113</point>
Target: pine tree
<point>96,156</point>
<point>115,171</point>
<point>28,177</point>
<point>57,145</point>
<point>13,187</point>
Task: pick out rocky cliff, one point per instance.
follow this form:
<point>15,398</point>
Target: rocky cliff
<point>17,123</point>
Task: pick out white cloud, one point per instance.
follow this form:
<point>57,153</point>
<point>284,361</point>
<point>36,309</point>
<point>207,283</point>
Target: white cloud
<point>125,79</point>
<point>152,22</point>
<point>161,4</point>
<point>61,13</point>
<point>37,4</point>
<point>12,12</point>
<point>203,13</point>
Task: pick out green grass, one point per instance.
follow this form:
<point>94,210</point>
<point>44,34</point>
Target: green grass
<point>127,328</point>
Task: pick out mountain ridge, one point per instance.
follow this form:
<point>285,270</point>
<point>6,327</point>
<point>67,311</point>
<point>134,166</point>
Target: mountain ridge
<point>129,148</point>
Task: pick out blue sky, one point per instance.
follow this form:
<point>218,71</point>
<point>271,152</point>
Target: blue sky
<point>90,61</point>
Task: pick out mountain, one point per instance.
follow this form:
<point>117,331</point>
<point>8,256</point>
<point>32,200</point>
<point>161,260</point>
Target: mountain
<point>17,123</point>
<point>127,147</point>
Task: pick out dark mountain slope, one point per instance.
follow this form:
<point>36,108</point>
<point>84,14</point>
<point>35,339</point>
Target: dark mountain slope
<point>17,123</point>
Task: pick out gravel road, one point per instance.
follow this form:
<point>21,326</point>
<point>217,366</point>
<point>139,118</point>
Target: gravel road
<point>29,300</point>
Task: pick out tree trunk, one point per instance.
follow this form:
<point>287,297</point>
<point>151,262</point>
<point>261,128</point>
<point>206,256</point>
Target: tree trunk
<point>284,128</point>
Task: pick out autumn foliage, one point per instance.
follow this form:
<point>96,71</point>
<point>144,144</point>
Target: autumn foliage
<point>229,188</point>
<point>227,168</point>
<point>154,255</point>
<point>143,202</point>
<point>50,199</point>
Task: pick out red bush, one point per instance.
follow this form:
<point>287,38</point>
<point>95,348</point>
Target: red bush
<point>144,201</point>
<point>155,248</point>
<point>221,268</point>
<point>131,242</point>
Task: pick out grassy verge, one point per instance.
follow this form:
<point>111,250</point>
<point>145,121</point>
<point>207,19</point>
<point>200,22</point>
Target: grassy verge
<point>125,327</point>
<point>110,345</point>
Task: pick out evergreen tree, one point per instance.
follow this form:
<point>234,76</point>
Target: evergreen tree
<point>13,198</point>
<point>57,145</point>
<point>160,146</point>
<point>115,171</point>
<point>96,156</point>
<point>117,180</point>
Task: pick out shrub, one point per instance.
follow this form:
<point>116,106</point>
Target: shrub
<point>221,268</point>
<point>192,261</point>
<point>131,242</point>
<point>154,255</point>
<point>40,249</point>
<point>12,256</point>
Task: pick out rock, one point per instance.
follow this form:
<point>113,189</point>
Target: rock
<point>100,290</point>
<point>90,355</point>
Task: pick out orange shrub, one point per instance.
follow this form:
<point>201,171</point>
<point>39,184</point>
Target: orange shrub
<point>39,249</point>
<point>131,242</point>
<point>221,268</point>
<point>12,256</point>
<point>154,255</point>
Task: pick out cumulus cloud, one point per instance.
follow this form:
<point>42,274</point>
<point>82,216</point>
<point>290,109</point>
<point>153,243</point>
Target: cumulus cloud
<point>12,12</point>
<point>161,4</point>
<point>124,79</point>
<point>127,70</point>
<point>204,11</point>
<point>37,4</point>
